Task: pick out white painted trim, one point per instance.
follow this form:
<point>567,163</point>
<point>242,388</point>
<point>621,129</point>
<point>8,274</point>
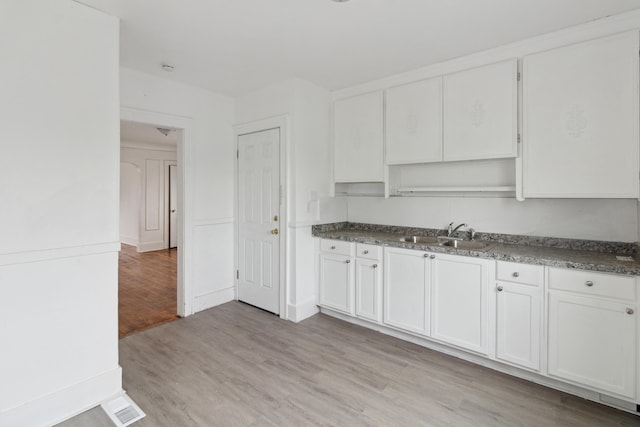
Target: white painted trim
<point>133,145</point>
<point>303,224</point>
<point>486,362</point>
<point>214,221</point>
<point>282,123</point>
<point>151,246</point>
<point>58,253</point>
<point>298,313</point>
<point>203,302</point>
<point>129,240</point>
<point>166,213</point>
<point>591,30</point>
<point>186,203</point>
<point>63,404</point>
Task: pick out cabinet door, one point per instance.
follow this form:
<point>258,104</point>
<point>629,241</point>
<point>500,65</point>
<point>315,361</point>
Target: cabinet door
<point>336,282</point>
<point>459,303</point>
<point>519,323</point>
<point>358,138</point>
<point>369,289</point>
<point>580,120</point>
<point>481,112</point>
<point>414,123</point>
<point>406,289</point>
<point>593,342</point>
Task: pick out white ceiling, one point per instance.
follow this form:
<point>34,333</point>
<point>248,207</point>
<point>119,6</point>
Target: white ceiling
<point>236,46</point>
<point>146,134</point>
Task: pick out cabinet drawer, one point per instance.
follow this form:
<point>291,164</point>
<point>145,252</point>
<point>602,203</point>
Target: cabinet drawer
<point>589,283</point>
<point>520,273</point>
<point>368,251</point>
<point>336,247</point>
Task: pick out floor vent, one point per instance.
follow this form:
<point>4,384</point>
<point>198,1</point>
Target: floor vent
<point>123,411</point>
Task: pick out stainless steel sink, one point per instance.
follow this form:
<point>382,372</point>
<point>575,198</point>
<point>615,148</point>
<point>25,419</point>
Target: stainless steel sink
<point>464,244</point>
<point>427,240</point>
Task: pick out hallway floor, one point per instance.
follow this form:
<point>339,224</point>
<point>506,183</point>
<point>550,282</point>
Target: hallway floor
<point>147,289</point>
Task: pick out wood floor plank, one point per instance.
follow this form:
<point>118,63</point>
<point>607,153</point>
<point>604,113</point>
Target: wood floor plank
<point>147,289</point>
<point>235,365</point>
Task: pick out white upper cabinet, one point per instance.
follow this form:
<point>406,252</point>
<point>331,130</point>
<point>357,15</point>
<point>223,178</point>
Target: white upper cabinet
<point>481,112</point>
<point>414,122</point>
<point>358,138</point>
<point>580,120</point>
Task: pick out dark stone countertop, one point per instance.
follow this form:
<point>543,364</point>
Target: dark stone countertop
<point>554,252</point>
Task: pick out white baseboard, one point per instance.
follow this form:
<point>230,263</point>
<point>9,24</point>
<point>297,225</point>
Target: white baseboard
<point>63,404</point>
<point>151,246</point>
<point>203,302</point>
<point>129,240</point>
<point>299,312</point>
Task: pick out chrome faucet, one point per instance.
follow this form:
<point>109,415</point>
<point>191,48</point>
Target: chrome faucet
<point>451,230</point>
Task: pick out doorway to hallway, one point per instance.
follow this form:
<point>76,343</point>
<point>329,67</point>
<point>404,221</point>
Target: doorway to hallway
<point>149,223</point>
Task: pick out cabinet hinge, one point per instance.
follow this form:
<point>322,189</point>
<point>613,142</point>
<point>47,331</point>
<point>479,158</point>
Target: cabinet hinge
<point>237,274</point>
<point>519,139</point>
<point>519,76</point>
<point>237,153</point>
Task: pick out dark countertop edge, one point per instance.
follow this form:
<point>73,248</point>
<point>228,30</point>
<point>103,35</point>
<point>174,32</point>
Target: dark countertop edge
<point>496,251</point>
<point>620,248</point>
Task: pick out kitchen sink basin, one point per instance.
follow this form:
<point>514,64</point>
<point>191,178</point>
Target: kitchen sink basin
<point>464,244</point>
<point>427,240</point>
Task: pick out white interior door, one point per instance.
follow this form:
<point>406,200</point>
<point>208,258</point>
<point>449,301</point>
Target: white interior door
<point>259,219</point>
<point>173,206</point>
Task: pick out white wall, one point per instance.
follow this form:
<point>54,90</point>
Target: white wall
<point>58,251</point>
<point>151,214</point>
<point>612,220</point>
<point>210,269</point>
<point>308,175</point>
<point>130,193</point>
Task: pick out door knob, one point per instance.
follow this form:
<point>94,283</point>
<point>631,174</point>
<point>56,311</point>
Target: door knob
<point>275,231</point>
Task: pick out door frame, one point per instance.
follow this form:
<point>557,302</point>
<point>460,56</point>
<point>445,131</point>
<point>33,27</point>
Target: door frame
<point>186,203</point>
<point>167,200</point>
<point>281,123</point>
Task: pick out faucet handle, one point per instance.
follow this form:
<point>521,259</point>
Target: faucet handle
<point>450,229</point>
<point>472,233</point>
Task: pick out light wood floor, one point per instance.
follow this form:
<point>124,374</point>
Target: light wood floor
<point>147,289</point>
<point>235,365</point>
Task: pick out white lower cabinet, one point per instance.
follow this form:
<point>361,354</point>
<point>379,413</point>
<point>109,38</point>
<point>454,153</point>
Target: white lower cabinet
<point>518,324</point>
<point>369,282</point>
<point>592,342</point>
<point>459,302</point>
<point>518,294</point>
<point>406,289</point>
<point>351,284</point>
<point>336,282</point>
